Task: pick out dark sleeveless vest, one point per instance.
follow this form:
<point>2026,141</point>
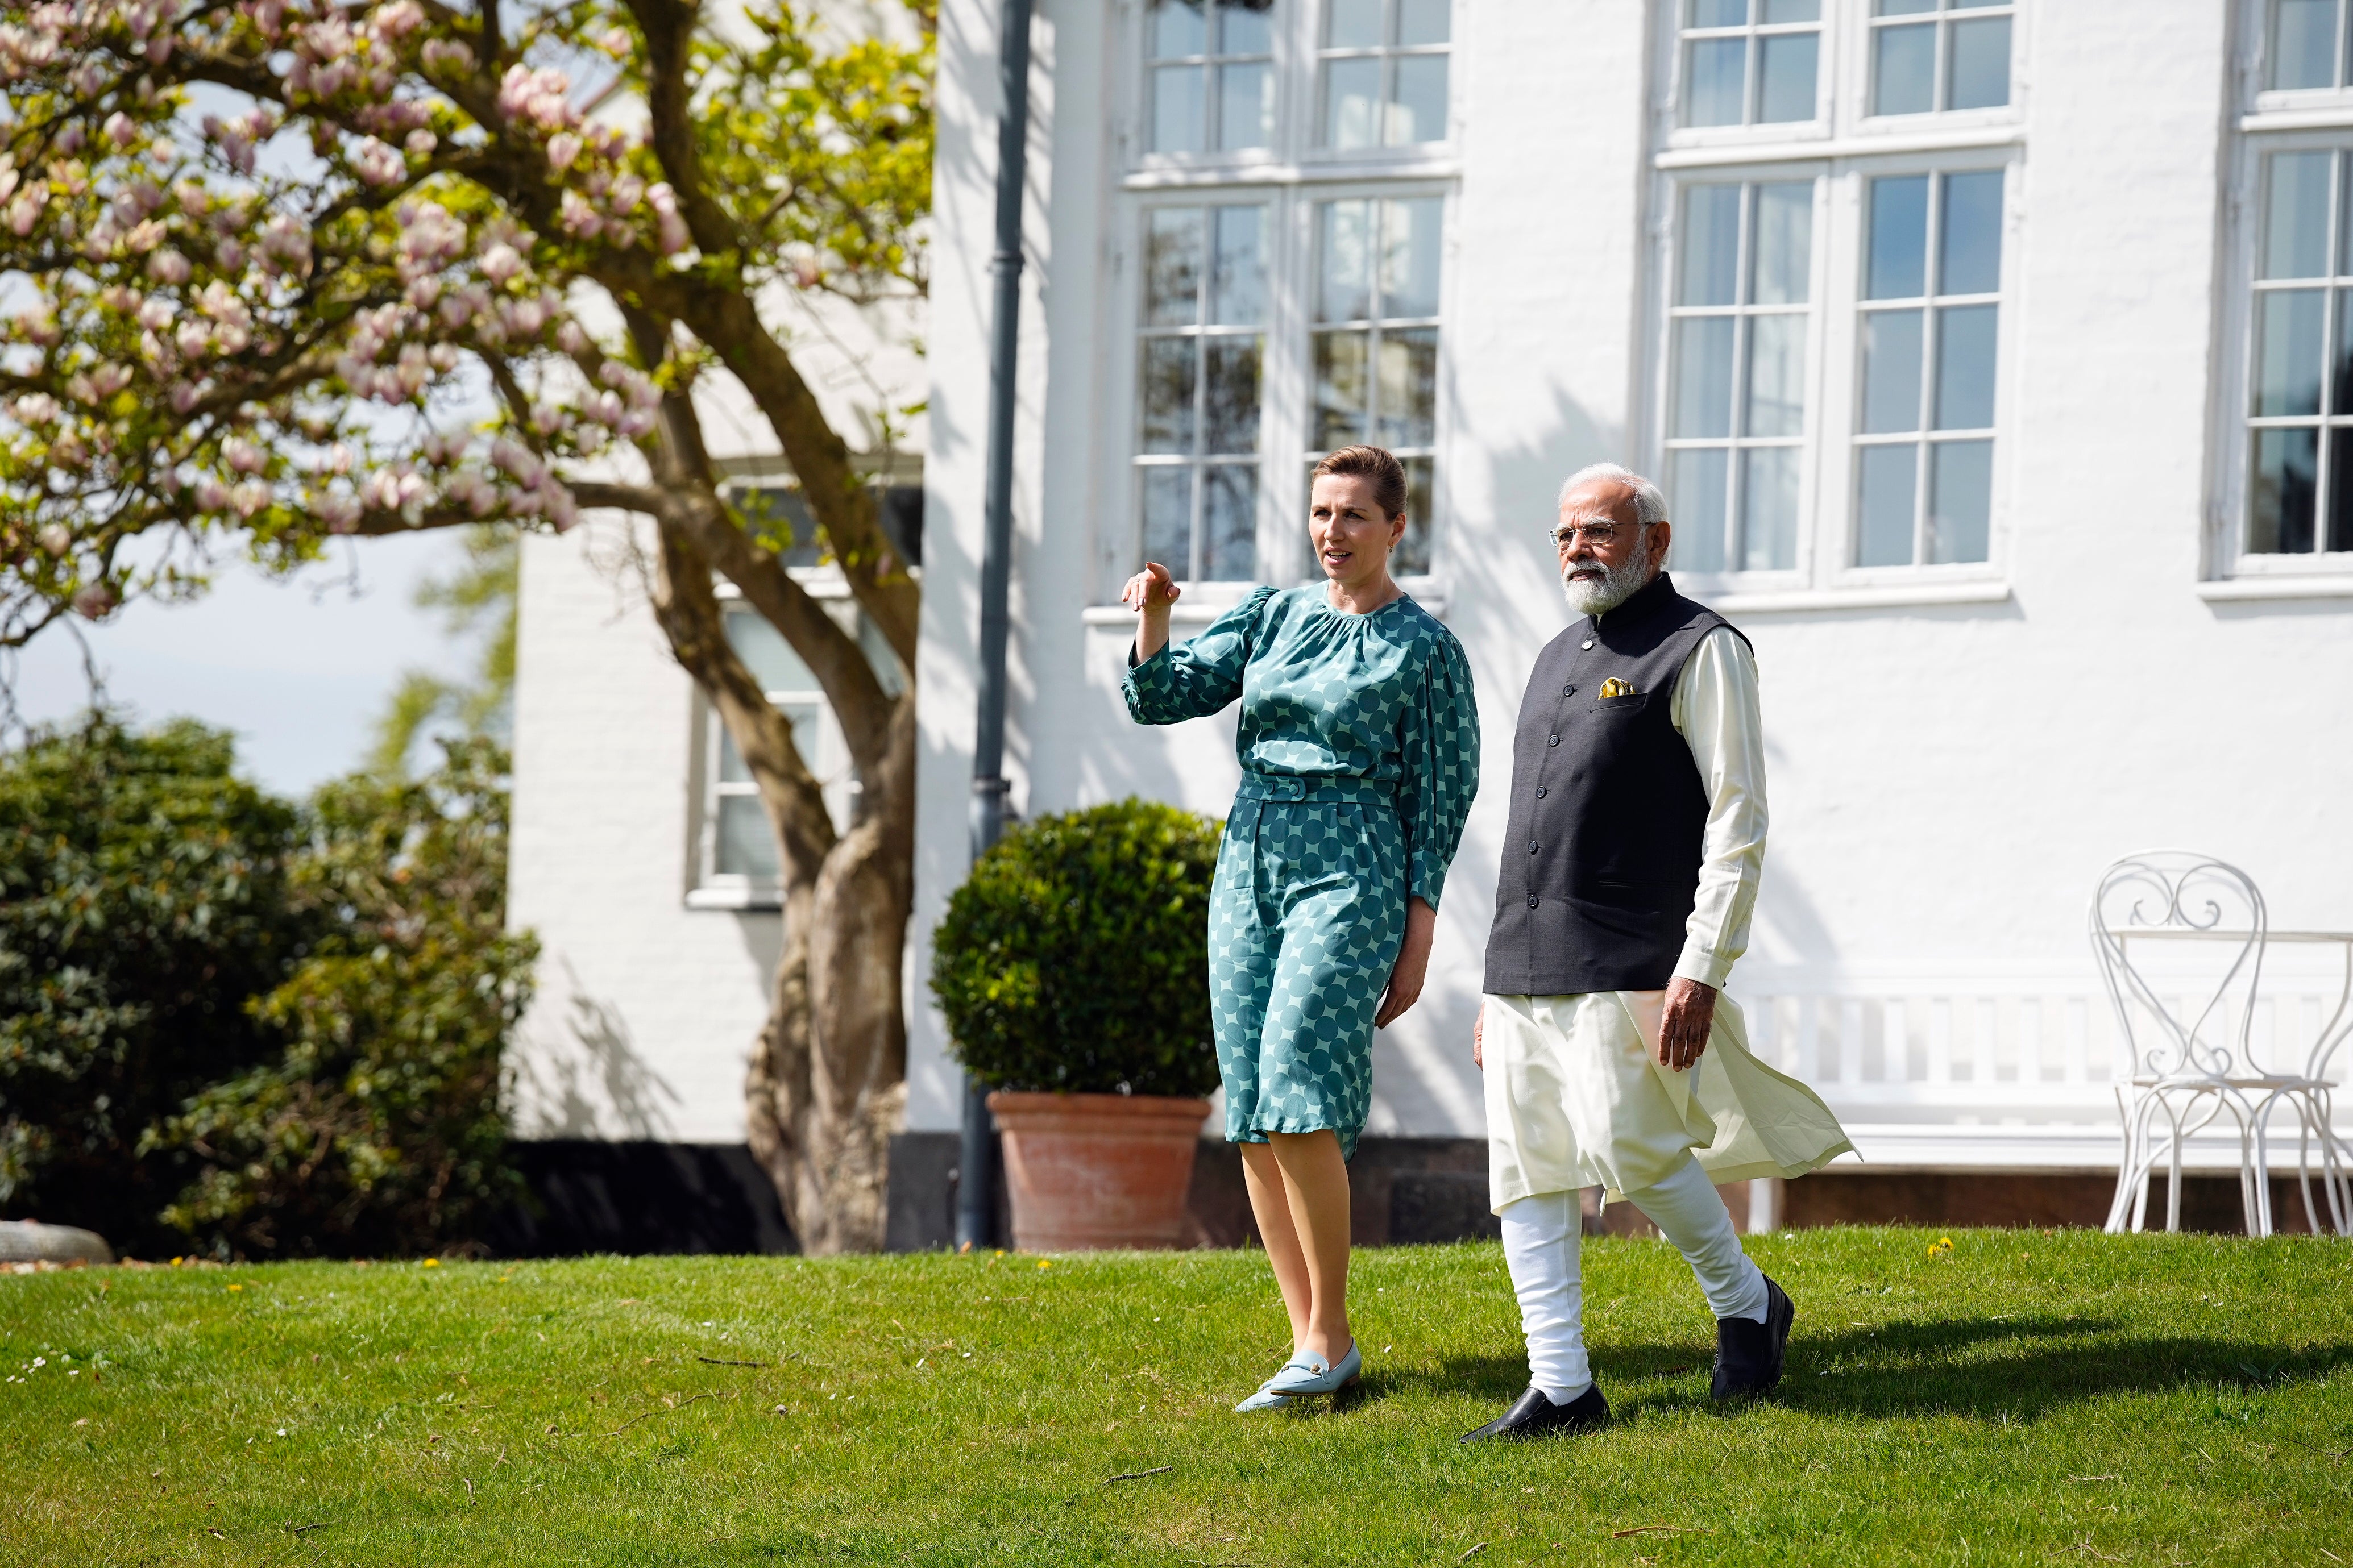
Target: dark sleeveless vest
<point>1601,861</point>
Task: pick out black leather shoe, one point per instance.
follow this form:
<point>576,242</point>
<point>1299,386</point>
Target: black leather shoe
<point>1748,1353</point>
<point>1536,1416</point>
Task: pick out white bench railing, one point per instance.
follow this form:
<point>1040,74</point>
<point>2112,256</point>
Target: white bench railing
<point>1994,1074</point>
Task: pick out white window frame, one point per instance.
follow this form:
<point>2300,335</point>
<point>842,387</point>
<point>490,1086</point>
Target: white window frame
<point>1284,51</point>
<point>1675,35</point>
<point>1828,469</point>
<point>1387,54</point>
<point>1943,19</point>
<point>2258,37</point>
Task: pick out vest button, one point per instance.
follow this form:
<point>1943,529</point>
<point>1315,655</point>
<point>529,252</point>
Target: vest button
<point>1551,740</point>
<point>1532,900</point>
<point>1588,642</point>
<point>1531,846</point>
<point>1568,691</point>
<point>1540,791</point>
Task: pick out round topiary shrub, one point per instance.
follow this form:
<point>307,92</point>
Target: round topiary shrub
<point>1075,958</point>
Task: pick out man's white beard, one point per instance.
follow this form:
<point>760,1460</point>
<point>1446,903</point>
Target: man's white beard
<point>1618,584</point>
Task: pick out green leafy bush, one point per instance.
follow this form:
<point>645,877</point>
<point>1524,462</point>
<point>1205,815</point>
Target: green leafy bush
<point>1075,958</point>
<point>379,1130</point>
<point>144,899</point>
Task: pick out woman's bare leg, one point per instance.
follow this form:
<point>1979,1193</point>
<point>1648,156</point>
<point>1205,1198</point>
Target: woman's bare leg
<point>1271,1205</point>
<point>1315,1187</point>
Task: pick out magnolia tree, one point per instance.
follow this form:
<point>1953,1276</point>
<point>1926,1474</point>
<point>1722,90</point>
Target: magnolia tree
<point>278,270</point>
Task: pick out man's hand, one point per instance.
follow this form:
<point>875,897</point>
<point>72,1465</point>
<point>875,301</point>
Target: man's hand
<point>1683,1025</point>
<point>1412,964</point>
<point>1479,1038</point>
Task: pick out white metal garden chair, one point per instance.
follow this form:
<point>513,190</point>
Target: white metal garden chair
<point>2181,938</point>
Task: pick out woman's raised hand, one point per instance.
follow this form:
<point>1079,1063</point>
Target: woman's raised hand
<point>1151,588</point>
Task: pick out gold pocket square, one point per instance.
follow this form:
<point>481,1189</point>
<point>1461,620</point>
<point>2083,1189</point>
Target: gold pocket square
<point>1613,686</point>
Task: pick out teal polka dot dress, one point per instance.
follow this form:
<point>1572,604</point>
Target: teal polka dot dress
<point>1360,745</point>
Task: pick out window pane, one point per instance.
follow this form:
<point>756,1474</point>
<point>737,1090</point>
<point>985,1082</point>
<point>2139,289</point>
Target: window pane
<point>1245,105</point>
<point>2341,494</point>
<point>1176,29</point>
<point>1716,13</point>
<point>1904,73</point>
<point>1965,351</point>
<point>2340,375</point>
<point>1409,236</point>
<point>1340,387</point>
<point>1345,246</point>
<point>1408,388</point>
<point>1781,264</point>
<point>1172,267</point>
<point>1716,74</point>
<point>1979,74</point>
<point>1899,237</point>
<point>2304,43</point>
<point>745,847</point>
<point>1352,25</point>
<point>1960,500</point>
<point>1419,112</point>
<point>1233,397</point>
<point>1242,26</point>
<point>767,654</point>
<point>1704,376</point>
<point>1422,21</point>
<point>1769,508</point>
<point>1969,259</point>
<point>1709,268</point>
<point>733,769</point>
<point>1237,279</point>
<point>2296,225</point>
<point>1903,7</point>
<point>1695,493</point>
<point>1884,509</point>
<point>1891,372</point>
<point>1792,11</point>
<point>2288,474</point>
<point>1352,102</point>
<point>1776,376</point>
<point>1412,553</point>
<point>1168,519</point>
<point>1229,522</point>
<point>1176,114</point>
<point>1785,76</point>
<point>1166,393</point>
<point>2289,349</point>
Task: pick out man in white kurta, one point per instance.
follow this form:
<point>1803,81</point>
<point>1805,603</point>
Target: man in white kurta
<point>1641,1084</point>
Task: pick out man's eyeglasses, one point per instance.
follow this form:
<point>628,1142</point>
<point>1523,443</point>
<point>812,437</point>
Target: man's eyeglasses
<point>1601,535</point>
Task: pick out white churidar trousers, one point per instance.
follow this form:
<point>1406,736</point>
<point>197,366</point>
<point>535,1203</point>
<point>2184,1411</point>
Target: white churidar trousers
<point>1540,1244</point>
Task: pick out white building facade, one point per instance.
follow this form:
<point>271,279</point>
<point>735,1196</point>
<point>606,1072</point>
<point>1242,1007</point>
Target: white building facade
<point>1997,359</point>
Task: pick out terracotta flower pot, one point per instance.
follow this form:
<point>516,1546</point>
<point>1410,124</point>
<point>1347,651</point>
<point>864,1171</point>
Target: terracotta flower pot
<point>1090,1171</point>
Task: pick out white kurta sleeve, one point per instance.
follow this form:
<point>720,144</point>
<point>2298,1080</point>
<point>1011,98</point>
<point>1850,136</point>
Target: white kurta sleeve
<point>1715,710</point>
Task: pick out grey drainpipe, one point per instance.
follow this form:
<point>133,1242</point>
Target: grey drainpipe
<point>976,1169</point>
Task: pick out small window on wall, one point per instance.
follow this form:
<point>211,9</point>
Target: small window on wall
<point>2300,404</point>
<point>739,846</point>
<point>1373,346</point>
<point>1933,55</point>
<point>1930,323</point>
<point>1750,62</point>
<point>2304,47</point>
<point>1737,391</point>
<point>1384,73</point>
<point>1200,353</point>
<point>1211,75</point>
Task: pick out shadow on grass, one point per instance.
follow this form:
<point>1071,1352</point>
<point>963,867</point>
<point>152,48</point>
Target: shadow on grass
<point>1996,1369</point>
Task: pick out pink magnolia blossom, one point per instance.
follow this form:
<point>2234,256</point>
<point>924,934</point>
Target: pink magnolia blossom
<point>243,456</point>
<point>420,144</point>
<point>121,129</point>
<point>156,314</point>
<point>577,218</point>
<point>211,494</point>
<point>339,511</point>
<point>168,266</point>
<point>377,164</point>
<point>446,56</point>
<point>562,148</point>
<point>96,602</point>
<point>35,409</point>
<point>500,262</point>
<point>183,397</point>
<point>56,538</point>
<point>571,339</point>
<point>249,498</point>
<point>399,19</point>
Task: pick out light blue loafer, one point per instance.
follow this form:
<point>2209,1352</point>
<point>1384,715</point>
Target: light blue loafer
<point>1268,1397</point>
<point>1264,1399</point>
<point>1308,1374</point>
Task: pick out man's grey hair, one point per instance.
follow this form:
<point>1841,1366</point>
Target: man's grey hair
<point>1649,505</point>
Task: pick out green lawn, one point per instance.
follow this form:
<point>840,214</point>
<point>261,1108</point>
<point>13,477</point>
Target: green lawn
<point>2023,1397</point>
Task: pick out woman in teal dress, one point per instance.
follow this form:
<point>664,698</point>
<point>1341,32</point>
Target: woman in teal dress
<point>1359,746</point>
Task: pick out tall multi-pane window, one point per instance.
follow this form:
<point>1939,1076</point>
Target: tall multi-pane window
<point>1383,68</point>
<point>2304,45</point>
<point>1932,54</point>
<point>1373,345</point>
<point>1210,75</point>
<point>1199,359</point>
<point>1750,62</point>
<point>1736,384</point>
<point>2300,385</point>
<point>1930,323</point>
<point>739,846</point>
